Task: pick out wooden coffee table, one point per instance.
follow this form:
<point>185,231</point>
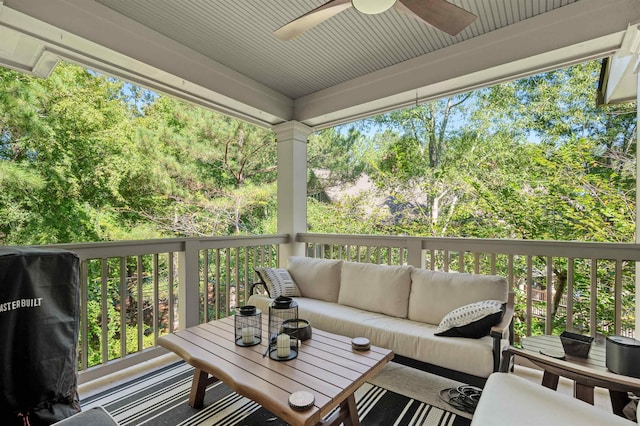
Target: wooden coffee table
<point>326,366</point>
<point>587,373</point>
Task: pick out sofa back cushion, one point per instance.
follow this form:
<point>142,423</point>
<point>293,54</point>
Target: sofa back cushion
<point>434,294</point>
<point>316,278</point>
<point>376,288</point>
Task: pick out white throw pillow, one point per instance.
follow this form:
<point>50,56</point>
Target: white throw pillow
<point>316,278</point>
<point>278,282</point>
<point>376,288</point>
<point>470,315</point>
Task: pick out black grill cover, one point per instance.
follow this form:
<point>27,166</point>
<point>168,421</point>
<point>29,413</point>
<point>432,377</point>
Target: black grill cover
<point>39,317</point>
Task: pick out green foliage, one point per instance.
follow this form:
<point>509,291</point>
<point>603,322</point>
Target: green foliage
<point>84,157</point>
<point>338,153</point>
<point>349,216</point>
<point>94,335</point>
<point>529,159</point>
<point>532,159</point>
<point>70,132</point>
<point>87,158</point>
<point>212,175</point>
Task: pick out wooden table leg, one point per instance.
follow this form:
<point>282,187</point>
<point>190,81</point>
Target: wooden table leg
<point>352,411</point>
<point>346,414</point>
<point>198,388</point>
<point>618,401</point>
<point>550,380</point>
<point>583,392</point>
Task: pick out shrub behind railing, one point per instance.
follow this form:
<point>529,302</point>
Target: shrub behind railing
<point>130,290</point>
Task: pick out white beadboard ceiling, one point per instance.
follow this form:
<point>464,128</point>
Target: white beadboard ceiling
<point>222,53</point>
<point>238,34</point>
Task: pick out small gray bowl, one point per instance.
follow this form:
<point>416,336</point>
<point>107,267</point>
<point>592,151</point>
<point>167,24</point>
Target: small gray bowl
<point>299,328</point>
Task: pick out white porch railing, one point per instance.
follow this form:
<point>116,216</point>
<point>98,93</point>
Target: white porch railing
<point>599,276</point>
<point>134,291</point>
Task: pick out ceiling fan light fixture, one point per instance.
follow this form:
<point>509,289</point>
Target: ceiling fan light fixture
<point>372,7</point>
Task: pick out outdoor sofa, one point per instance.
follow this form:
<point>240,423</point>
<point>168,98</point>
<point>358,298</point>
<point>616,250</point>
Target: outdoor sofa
<point>452,324</point>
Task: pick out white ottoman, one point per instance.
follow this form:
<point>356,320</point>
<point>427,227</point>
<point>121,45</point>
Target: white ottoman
<point>509,400</point>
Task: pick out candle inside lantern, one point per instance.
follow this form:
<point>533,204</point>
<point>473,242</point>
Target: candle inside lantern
<point>247,335</point>
<point>284,345</point>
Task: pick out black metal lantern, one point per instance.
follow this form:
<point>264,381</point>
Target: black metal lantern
<point>248,326</point>
<point>281,310</point>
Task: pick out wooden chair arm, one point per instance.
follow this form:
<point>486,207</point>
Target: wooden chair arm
<point>507,356</point>
<point>261,284</point>
<point>498,331</point>
<point>507,320</point>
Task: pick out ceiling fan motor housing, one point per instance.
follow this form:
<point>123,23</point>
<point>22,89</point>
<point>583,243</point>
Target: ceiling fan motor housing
<point>372,7</point>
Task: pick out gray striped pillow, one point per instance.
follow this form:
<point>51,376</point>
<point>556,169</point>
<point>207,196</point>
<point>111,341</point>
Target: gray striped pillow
<point>278,282</point>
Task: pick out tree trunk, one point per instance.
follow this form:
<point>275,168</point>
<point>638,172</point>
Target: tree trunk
<point>561,286</point>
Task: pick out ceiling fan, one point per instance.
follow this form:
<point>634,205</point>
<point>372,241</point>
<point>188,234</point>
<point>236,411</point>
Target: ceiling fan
<point>440,14</point>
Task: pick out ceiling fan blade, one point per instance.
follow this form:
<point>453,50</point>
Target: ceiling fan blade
<point>311,19</point>
<point>441,14</point>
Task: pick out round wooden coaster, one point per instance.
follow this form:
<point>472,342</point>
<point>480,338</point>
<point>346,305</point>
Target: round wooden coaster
<point>360,343</point>
<point>301,400</point>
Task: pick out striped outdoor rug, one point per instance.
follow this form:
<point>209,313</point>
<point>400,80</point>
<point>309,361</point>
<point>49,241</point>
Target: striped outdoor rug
<point>160,398</point>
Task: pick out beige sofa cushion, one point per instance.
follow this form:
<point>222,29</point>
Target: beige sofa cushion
<point>434,294</point>
<point>316,278</point>
<point>406,338</point>
<point>376,288</point>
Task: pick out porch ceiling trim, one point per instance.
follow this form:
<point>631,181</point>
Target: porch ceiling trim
<point>545,42</point>
<point>619,80</point>
<point>92,35</point>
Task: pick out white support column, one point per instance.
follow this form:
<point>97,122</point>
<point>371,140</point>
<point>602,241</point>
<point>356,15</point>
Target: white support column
<point>292,184</point>
<point>622,80</point>
<point>189,285</point>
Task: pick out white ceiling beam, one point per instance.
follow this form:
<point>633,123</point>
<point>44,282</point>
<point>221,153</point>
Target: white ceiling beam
<point>94,36</point>
<point>580,31</point>
<point>23,53</point>
<point>620,81</point>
